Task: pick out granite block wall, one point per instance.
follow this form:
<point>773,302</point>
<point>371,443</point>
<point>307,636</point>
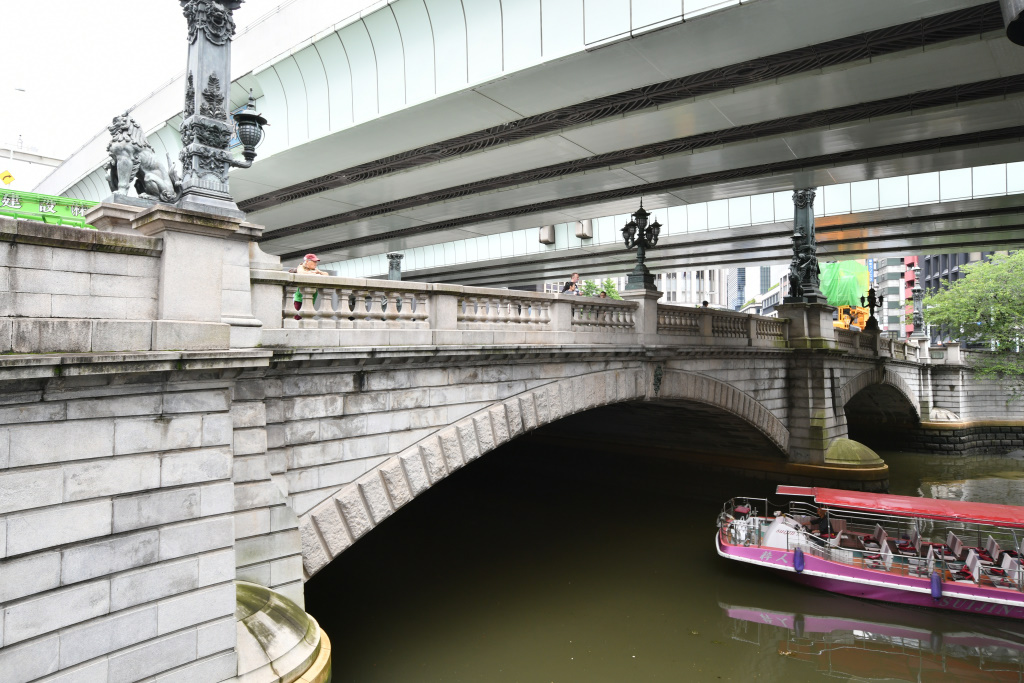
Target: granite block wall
<point>117,529</point>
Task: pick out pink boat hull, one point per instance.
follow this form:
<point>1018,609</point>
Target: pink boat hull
<point>879,585</point>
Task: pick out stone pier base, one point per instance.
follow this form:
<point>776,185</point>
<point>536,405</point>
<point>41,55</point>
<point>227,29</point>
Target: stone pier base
<point>995,437</point>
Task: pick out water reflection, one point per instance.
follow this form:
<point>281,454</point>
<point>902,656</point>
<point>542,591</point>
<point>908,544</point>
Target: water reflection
<point>866,641</point>
<point>978,478</point>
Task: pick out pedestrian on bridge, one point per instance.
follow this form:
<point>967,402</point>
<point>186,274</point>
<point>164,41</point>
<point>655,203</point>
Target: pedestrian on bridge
<point>307,267</point>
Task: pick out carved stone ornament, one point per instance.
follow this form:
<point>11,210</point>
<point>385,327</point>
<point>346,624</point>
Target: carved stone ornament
<point>212,17</point>
<point>134,161</point>
<point>213,102</point>
<point>190,96</point>
<point>803,198</point>
<point>205,133</point>
<point>210,162</point>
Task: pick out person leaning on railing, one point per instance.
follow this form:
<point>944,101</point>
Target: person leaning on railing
<point>307,267</point>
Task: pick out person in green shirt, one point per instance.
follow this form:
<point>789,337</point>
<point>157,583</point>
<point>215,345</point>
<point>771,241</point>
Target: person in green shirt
<point>307,267</point>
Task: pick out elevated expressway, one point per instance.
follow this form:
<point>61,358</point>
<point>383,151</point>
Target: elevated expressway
<point>429,121</point>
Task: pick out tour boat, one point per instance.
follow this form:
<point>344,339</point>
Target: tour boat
<point>901,549</point>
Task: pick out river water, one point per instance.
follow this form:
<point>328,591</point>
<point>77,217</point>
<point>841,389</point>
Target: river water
<point>538,565</point>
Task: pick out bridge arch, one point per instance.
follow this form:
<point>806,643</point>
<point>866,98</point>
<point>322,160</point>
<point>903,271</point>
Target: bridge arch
<point>880,376</point>
<point>332,526</point>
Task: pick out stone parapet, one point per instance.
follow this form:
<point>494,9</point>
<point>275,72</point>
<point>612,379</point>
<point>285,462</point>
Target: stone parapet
<point>347,312</point>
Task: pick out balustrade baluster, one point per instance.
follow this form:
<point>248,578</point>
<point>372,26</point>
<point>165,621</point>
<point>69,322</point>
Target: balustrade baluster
<point>522,310</point>
<point>503,313</point>
<point>405,315</point>
<point>307,312</point>
<point>375,310</point>
<point>288,308</point>
<point>343,309</point>
<point>360,307</point>
<point>328,313</point>
<point>391,312</point>
<point>492,310</point>
<point>422,312</point>
<point>535,313</point>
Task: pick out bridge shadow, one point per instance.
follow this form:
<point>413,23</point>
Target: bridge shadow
<point>674,429</point>
<point>881,417</point>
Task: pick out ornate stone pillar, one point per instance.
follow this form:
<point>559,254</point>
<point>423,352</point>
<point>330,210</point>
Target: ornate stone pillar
<point>918,303</point>
<point>395,266</point>
<point>206,129</point>
<point>804,285</point>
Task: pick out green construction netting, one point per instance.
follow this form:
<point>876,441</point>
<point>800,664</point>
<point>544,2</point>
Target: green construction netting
<point>844,282</point>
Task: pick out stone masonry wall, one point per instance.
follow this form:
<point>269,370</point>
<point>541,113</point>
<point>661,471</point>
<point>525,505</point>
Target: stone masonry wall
<point>116,525</point>
<point>68,289</point>
<point>267,546</point>
<point>327,426</point>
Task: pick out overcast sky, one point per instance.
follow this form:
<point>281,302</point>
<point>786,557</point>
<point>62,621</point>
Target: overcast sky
<point>70,65</point>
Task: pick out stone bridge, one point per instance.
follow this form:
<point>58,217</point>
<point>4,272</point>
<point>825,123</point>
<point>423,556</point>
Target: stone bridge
<point>168,427</point>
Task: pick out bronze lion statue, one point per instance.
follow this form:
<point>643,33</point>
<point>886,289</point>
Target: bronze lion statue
<point>132,158</point>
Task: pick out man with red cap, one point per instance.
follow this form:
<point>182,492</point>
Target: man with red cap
<point>307,267</point>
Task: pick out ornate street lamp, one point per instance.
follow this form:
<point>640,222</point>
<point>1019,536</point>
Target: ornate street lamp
<point>918,302</point>
<point>207,126</point>
<point>249,126</point>
<point>637,233</point>
<point>872,302</point>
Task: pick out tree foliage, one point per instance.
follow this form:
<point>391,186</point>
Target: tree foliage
<point>610,289</point>
<point>986,307</point>
<point>591,288</point>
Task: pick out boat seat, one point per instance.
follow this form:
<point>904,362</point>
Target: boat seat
<point>850,542</point>
<point>962,574</point>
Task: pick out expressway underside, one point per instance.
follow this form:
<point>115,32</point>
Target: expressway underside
<point>832,94</point>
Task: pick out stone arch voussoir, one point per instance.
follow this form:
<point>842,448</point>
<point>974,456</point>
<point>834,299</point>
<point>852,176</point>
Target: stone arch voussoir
<point>689,386</point>
<point>332,526</point>
<point>880,375</point>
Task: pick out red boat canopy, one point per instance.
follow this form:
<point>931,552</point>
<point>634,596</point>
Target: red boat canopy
<point>931,508</point>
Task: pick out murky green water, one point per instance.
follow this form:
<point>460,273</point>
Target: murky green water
<point>534,565</point>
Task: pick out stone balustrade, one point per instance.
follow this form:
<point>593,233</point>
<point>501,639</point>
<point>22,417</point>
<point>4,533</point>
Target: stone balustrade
<point>603,315</point>
<point>723,328</point>
<point>340,311</point>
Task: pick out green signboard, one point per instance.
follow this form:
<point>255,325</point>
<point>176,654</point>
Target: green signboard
<point>45,208</point>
